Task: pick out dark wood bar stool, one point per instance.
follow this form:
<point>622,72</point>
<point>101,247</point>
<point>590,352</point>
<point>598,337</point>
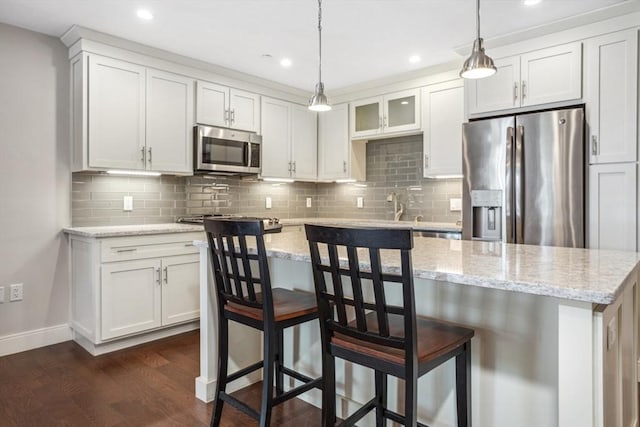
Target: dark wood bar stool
<point>249,299</point>
<point>387,338</point>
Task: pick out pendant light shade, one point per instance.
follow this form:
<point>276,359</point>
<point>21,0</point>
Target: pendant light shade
<point>478,65</point>
<point>319,101</point>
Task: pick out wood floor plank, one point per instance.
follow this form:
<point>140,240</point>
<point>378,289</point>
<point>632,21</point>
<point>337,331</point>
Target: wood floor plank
<point>148,385</point>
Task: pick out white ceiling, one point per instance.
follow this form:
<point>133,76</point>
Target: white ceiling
<point>363,40</point>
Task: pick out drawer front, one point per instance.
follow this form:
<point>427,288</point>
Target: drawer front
<point>152,246</point>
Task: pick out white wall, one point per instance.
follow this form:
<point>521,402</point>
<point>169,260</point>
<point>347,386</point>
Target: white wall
<point>34,188</point>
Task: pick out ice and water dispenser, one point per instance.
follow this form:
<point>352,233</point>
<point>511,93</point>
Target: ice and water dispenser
<point>486,214</point>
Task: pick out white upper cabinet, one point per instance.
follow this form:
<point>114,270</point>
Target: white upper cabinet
<point>125,116</point>
<point>116,114</point>
<point>539,77</point>
<point>169,122</point>
<point>219,105</point>
<point>333,143</point>
<point>392,113</point>
<point>611,75</point>
<point>304,143</point>
<point>289,141</point>
<point>442,118</point>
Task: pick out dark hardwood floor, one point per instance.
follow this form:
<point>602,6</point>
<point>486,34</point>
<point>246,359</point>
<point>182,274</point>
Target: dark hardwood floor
<point>152,384</point>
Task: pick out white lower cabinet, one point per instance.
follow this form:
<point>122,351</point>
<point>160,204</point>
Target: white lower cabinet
<point>612,206</point>
<point>126,286</point>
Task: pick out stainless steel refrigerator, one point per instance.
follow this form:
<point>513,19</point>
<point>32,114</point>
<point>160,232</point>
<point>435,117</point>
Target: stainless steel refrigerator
<point>524,178</point>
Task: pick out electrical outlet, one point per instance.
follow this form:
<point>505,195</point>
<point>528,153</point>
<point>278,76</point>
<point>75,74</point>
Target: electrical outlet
<point>308,202</point>
<point>1,294</point>
<point>267,202</point>
<point>127,203</point>
<point>15,292</point>
<point>360,202</point>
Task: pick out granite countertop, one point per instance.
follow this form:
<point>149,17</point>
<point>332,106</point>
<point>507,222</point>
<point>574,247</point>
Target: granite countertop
<point>588,275</point>
<point>132,230</point>
<point>146,229</point>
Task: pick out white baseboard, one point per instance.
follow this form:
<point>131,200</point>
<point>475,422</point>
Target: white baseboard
<point>23,341</point>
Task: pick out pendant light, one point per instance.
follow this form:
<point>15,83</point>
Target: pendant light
<point>478,65</point>
<point>318,101</point>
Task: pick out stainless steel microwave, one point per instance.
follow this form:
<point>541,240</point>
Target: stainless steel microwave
<point>219,150</point>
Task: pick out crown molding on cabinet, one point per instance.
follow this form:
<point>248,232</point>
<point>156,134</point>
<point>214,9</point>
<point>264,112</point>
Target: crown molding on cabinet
<point>590,24</point>
<point>78,38</point>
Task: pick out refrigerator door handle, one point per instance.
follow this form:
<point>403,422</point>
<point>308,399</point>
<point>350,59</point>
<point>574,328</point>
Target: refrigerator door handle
<point>519,184</point>
<point>508,187</point>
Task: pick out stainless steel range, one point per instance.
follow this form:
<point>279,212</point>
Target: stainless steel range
<point>271,225</point>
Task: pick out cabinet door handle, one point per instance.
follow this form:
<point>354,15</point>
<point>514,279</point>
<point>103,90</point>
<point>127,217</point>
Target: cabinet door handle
<point>384,121</point>
<point>294,167</point>
<point>594,145</point>
<point>524,89</point>
<point>226,116</point>
<point>380,122</point>
<point>188,244</point>
<point>515,92</point>
<point>289,167</point>
<point>426,161</point>
<point>166,275</point>
<point>125,250</point>
<point>143,157</point>
<point>344,166</point>
<point>233,115</point>
<point>149,155</point>
<point>158,273</point>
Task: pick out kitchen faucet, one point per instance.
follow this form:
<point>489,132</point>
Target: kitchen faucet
<point>397,213</point>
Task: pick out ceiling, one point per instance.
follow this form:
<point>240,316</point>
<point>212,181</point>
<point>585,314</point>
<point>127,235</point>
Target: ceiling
<point>363,40</point>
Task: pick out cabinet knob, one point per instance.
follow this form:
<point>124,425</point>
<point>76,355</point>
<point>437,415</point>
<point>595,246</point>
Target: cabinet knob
<point>594,145</point>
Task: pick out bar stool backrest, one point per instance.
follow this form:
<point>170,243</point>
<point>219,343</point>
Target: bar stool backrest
<point>234,276</point>
<point>363,270</point>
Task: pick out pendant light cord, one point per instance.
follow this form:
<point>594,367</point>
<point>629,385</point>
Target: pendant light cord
<point>478,19</point>
<point>320,41</point>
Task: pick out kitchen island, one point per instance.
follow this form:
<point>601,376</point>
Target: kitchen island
<point>555,344</point>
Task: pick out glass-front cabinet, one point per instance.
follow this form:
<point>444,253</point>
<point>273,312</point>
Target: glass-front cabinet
<point>391,113</point>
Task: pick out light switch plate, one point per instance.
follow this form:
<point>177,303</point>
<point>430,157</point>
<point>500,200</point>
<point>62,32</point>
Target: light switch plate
<point>360,202</point>
<point>267,202</point>
<point>127,203</point>
<point>308,202</point>
<point>455,205</point>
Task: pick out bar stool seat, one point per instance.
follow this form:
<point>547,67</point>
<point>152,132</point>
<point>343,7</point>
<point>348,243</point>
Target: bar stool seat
<point>287,304</point>
<point>434,339</point>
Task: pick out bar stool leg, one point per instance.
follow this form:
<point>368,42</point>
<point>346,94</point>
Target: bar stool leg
<point>267,377</point>
<point>463,386</point>
<point>381,397</point>
<point>223,357</point>
<point>279,358</point>
<point>328,390</point>
<point>411,400</point>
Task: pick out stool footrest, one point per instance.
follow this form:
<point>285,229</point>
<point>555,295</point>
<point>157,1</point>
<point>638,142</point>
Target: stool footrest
<point>244,371</point>
<point>394,416</point>
<point>356,416</point>
<point>239,405</point>
<point>296,391</point>
<point>297,375</point>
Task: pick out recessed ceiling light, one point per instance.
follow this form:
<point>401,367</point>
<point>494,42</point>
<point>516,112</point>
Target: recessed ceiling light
<point>144,14</point>
<point>414,59</point>
<point>285,62</point>
<point>531,2</point>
